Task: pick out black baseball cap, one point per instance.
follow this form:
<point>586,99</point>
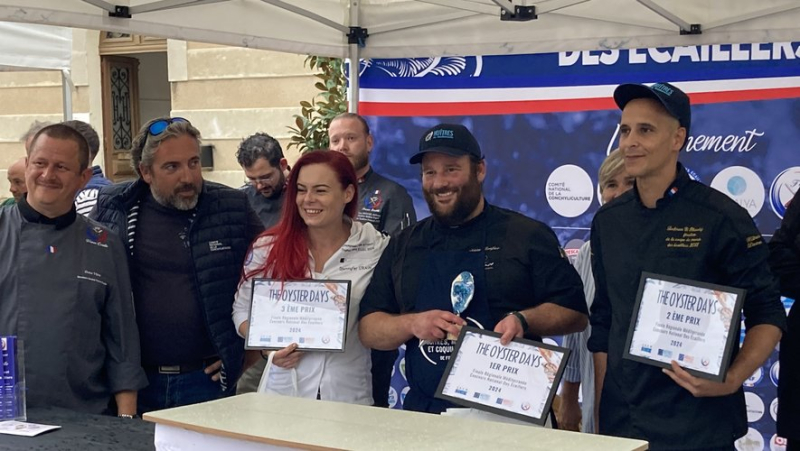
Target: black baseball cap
<point>450,139</point>
<point>675,101</point>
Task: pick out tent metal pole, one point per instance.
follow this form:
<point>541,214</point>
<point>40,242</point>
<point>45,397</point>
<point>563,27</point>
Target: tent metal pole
<point>66,94</point>
<point>502,4</point>
<point>652,6</point>
<point>553,6</point>
<point>305,13</point>
<point>754,15</point>
<point>464,6</point>
<point>170,4</point>
<point>101,4</point>
<point>354,53</point>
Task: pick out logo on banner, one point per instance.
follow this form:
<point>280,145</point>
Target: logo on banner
<point>773,409</point>
<point>783,190</point>
<point>572,248</point>
<point>755,378</point>
<point>441,66</point>
<point>743,186</point>
<point>774,371</point>
<point>392,397</point>
<point>752,441</point>
<point>403,394</point>
<point>777,443</point>
<point>755,407</point>
<point>569,191</point>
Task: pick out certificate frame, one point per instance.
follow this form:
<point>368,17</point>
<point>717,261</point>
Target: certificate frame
<point>477,401</point>
<point>310,329</point>
<point>687,361</point>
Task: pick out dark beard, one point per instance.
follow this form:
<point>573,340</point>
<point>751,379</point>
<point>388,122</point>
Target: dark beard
<point>467,200</point>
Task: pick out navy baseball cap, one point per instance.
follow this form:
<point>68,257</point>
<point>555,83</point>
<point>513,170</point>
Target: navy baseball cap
<point>675,101</point>
<point>450,139</point>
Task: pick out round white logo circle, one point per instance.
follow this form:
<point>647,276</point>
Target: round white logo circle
<point>743,186</point>
<point>783,189</point>
<point>773,409</point>
<point>402,366</point>
<point>403,394</point>
<point>752,441</point>
<point>774,372</point>
<point>392,397</point>
<point>755,407</point>
<point>569,191</point>
<point>755,378</point>
<point>777,443</point>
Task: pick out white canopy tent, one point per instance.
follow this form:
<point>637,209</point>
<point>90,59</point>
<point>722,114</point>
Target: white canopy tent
<point>38,47</point>
<point>422,28</point>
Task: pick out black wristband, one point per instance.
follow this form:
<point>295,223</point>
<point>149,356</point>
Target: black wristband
<point>521,319</point>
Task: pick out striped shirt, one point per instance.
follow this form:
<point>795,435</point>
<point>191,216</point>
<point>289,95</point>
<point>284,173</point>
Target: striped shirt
<point>581,368</point>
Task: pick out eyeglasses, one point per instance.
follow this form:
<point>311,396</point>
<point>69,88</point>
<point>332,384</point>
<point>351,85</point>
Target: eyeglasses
<point>158,127</point>
<point>262,180</point>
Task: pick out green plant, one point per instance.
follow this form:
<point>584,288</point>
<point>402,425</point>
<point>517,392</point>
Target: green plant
<point>311,126</point>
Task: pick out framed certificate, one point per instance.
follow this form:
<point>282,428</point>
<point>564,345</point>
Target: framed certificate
<point>311,313</point>
<point>690,322</point>
<point>518,380</point>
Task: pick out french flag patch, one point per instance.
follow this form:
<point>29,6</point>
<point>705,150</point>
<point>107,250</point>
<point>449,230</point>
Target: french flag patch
<point>51,249</point>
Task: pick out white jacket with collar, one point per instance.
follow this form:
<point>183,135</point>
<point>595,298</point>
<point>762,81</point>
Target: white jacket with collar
<point>343,377</point>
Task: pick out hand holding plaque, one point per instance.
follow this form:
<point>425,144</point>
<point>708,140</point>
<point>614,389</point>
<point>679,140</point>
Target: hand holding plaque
<point>689,322</point>
<point>311,314</point>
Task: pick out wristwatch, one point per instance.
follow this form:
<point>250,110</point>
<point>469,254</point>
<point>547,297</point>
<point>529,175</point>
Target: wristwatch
<point>521,319</point>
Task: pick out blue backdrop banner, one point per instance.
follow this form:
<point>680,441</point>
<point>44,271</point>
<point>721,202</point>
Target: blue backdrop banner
<point>546,122</point>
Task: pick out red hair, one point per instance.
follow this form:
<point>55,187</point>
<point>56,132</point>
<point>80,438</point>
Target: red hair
<point>288,258</point>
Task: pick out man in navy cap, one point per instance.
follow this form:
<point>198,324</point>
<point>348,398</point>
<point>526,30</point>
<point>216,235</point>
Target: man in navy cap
<point>523,284</point>
<point>671,225</point>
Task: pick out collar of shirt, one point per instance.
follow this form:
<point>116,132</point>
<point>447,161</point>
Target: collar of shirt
<point>466,225</point>
<point>363,179</point>
<point>681,179</point>
<point>31,215</point>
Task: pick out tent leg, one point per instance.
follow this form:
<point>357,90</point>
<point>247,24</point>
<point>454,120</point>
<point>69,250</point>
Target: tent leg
<point>66,93</point>
<point>355,68</point>
<point>354,53</point>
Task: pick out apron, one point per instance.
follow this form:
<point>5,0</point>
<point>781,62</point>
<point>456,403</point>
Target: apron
<point>425,365</point>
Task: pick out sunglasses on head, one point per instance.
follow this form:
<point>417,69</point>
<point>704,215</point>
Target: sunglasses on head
<point>158,127</point>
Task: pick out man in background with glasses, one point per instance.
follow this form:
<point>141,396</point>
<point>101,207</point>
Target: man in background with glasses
<point>187,239</point>
<point>265,170</point>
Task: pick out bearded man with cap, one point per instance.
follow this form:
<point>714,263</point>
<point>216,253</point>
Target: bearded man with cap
<point>523,283</point>
<point>671,408</point>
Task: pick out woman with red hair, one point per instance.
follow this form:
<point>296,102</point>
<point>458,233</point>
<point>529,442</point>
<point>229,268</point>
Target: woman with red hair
<point>317,238</point>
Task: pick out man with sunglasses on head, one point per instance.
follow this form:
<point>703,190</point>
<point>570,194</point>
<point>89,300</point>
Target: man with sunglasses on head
<point>187,239</point>
<point>265,170</point>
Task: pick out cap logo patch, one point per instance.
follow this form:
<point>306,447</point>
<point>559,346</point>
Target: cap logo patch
<point>662,88</point>
<point>428,136</point>
<point>443,134</point>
